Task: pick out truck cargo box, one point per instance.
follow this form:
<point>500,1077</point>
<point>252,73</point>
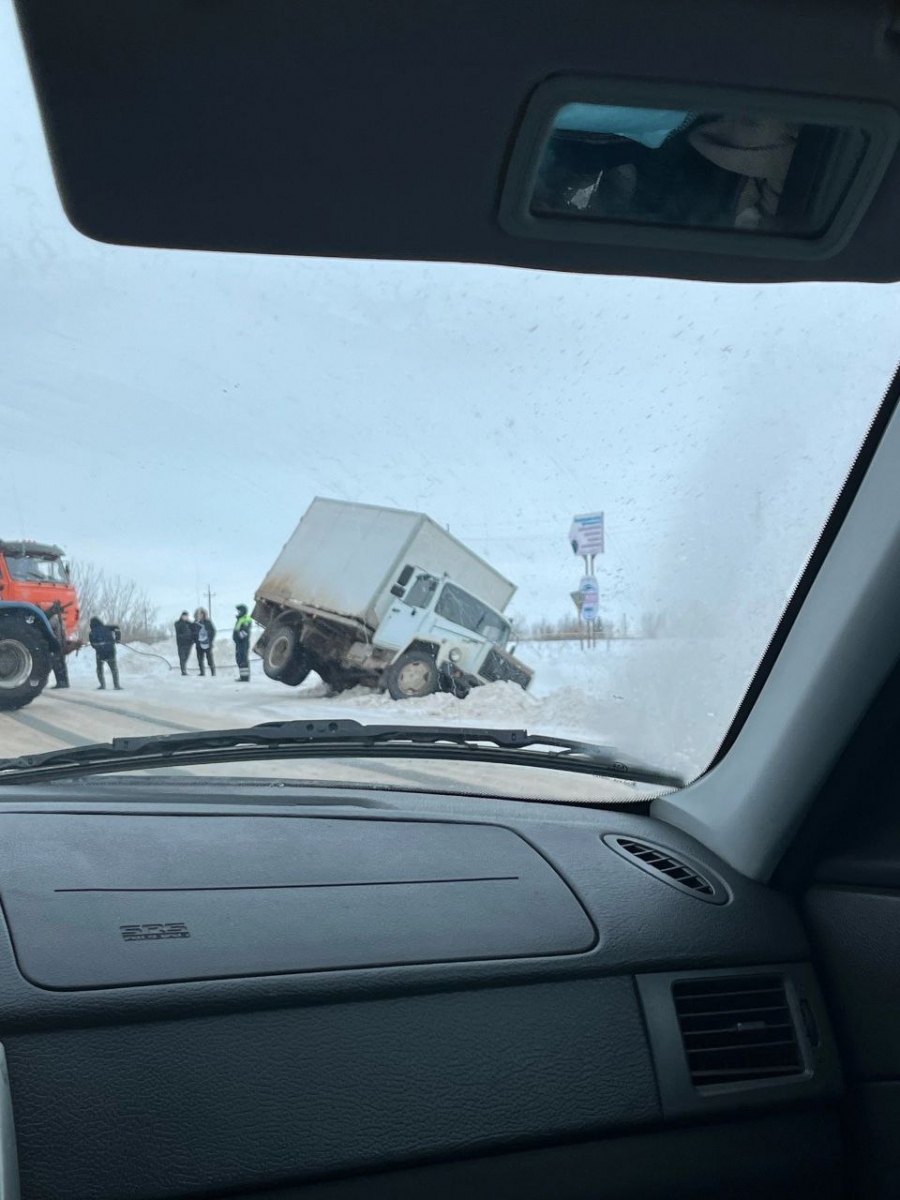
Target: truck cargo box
<point>344,558</point>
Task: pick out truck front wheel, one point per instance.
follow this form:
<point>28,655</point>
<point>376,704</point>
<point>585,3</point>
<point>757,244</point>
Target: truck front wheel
<point>412,675</point>
<point>284,658</point>
<point>24,665</point>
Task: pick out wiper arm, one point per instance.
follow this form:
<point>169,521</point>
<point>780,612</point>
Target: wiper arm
<point>332,739</point>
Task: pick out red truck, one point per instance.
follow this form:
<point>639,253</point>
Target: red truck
<point>37,573</point>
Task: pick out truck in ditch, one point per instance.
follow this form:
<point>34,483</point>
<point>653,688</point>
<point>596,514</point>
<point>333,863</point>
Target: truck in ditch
<point>387,599</point>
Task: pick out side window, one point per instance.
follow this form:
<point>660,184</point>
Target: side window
<point>419,595</point>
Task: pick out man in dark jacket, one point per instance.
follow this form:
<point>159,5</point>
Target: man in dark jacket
<point>184,639</point>
<point>58,658</point>
<point>241,635</point>
<point>204,636</point>
<point>104,639</point>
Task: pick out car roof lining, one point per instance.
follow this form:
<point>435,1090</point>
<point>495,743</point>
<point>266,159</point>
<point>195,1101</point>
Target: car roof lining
<point>384,131</point>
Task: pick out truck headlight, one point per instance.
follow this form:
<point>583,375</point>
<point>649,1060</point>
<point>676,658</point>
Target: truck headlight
<point>454,656</point>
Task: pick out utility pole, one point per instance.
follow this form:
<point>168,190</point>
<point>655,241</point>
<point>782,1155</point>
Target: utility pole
<point>209,596</point>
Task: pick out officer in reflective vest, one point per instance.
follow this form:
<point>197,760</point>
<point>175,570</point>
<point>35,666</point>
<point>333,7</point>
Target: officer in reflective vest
<point>241,635</point>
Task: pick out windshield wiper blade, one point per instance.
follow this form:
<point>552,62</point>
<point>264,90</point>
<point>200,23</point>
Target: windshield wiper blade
<point>333,739</point>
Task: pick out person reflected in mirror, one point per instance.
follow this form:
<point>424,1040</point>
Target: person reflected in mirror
<point>204,636</point>
<point>58,659</point>
<point>241,635</point>
<point>104,639</point>
<point>185,639</point>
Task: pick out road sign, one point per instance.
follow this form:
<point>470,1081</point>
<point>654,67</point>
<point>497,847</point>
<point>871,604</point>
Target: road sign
<point>578,598</point>
<point>586,534</point>
<point>590,598</point>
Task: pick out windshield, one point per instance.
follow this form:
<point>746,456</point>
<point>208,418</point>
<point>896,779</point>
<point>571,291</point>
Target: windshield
<point>28,568</point>
<point>462,609</point>
<point>622,477</point>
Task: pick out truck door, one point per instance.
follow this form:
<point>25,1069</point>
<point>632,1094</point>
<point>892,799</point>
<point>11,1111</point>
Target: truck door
<point>403,619</point>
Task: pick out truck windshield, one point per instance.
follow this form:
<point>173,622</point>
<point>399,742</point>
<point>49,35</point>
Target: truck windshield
<point>26,568</point>
<point>462,609</point>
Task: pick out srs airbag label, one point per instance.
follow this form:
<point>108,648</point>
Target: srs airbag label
<point>154,931</point>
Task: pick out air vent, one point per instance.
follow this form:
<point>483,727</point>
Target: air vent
<point>676,871</point>
<point>736,1029</point>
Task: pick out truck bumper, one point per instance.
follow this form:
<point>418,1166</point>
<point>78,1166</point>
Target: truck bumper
<point>499,666</point>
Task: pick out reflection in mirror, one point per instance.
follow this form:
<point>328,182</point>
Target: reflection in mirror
<point>737,171</point>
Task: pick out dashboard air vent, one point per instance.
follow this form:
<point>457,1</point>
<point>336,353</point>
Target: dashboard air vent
<point>736,1029</point>
<point>676,871</point>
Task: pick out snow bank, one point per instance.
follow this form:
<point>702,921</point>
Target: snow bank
<point>634,696</point>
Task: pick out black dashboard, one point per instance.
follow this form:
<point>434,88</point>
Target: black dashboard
<point>223,992</point>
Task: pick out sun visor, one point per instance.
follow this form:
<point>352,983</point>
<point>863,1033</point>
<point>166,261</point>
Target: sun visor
<point>638,139</point>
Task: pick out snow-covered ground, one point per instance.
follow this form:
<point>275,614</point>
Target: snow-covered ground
<point>618,694</point>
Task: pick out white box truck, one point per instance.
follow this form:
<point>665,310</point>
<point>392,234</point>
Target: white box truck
<point>384,598</point>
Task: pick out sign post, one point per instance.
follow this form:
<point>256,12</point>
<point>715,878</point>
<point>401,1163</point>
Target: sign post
<point>587,537</point>
<point>579,599</point>
<point>590,604</point>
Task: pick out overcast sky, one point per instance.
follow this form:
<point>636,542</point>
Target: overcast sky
<point>169,415</point>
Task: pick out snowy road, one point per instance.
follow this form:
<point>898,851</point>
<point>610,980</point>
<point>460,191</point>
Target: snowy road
<point>577,695</point>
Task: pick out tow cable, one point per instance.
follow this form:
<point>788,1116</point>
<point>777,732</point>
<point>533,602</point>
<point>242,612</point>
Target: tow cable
<point>146,654</point>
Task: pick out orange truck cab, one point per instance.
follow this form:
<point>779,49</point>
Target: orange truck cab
<point>37,573</point>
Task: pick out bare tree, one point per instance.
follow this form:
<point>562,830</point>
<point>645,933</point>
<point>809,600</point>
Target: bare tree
<point>116,601</point>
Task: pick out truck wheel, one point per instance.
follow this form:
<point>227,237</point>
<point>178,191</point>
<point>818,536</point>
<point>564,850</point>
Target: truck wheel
<point>284,658</point>
<point>296,670</point>
<point>413,674</point>
<point>24,665</point>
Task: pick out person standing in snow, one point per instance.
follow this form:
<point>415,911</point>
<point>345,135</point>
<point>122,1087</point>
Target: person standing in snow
<point>241,635</point>
<point>184,639</point>
<point>58,659</point>
<point>204,636</point>
<point>104,639</point>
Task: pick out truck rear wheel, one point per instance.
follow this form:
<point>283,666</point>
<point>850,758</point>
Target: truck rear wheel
<point>24,665</point>
<point>414,674</point>
<point>298,669</point>
<point>284,658</point>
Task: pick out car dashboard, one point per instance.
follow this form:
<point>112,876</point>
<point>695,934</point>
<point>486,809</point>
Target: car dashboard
<point>211,991</point>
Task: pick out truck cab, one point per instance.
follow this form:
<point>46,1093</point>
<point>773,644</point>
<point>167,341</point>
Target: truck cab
<point>434,618</point>
<point>37,573</point>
